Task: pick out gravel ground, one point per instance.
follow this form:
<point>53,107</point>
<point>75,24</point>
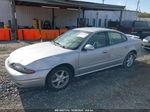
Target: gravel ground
<point>115,88</point>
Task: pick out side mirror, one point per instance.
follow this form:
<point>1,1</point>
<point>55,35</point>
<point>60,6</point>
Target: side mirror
<point>89,47</point>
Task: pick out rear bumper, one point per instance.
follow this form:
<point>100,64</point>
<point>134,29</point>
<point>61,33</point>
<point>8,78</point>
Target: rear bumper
<point>27,80</point>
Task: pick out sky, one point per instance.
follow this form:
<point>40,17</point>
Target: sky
<point>144,5</point>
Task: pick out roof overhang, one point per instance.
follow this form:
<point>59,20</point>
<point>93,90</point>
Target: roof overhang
<point>70,4</point>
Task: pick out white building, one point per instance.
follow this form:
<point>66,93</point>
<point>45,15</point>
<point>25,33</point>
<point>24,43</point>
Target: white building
<point>105,16</point>
<point>63,17</point>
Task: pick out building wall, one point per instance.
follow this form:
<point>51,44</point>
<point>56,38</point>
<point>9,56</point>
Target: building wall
<point>25,15</point>
<point>101,15</point>
<point>129,15</point>
<point>5,11</point>
<point>106,16</point>
<point>63,17</point>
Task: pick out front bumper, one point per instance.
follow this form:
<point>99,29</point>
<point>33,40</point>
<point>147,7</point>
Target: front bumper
<point>27,80</point>
<point>146,45</point>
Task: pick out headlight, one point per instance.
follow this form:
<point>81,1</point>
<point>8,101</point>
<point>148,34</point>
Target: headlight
<point>144,40</point>
<point>21,68</point>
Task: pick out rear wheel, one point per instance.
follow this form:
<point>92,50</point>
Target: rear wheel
<point>129,60</point>
<point>59,78</point>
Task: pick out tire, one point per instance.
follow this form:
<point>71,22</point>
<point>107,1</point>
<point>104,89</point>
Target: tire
<point>129,60</point>
<point>59,78</point>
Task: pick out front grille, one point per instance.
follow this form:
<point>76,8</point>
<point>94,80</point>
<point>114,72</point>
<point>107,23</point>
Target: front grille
<point>146,46</point>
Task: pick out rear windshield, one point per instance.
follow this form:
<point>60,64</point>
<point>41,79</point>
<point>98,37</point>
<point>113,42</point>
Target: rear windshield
<point>127,24</point>
<point>140,24</point>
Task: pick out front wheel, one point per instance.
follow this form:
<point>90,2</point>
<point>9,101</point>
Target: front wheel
<point>59,78</point>
<point>129,60</point>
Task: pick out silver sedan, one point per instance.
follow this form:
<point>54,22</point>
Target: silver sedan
<point>78,52</point>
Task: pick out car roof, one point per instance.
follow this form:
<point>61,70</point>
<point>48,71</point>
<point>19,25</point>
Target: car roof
<point>93,29</point>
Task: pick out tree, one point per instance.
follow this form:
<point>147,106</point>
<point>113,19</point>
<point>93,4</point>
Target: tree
<point>144,15</point>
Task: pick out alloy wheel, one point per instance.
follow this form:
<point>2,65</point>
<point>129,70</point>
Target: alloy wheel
<point>60,79</point>
<point>130,60</point>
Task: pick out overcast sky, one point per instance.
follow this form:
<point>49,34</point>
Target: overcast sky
<point>131,4</point>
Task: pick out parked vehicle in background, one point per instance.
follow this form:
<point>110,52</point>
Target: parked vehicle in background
<point>132,36</point>
<point>75,53</point>
<point>146,43</point>
<point>139,28</point>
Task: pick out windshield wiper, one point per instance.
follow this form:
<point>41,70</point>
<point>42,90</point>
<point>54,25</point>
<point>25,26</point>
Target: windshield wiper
<point>56,43</point>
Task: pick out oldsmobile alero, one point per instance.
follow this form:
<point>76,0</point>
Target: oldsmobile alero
<point>78,52</point>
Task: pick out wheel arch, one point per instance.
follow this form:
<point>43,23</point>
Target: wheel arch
<point>61,65</point>
<point>134,51</point>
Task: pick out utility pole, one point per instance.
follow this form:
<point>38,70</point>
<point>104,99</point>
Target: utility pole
<point>14,20</point>
<point>125,3</point>
<point>53,18</point>
<point>120,19</point>
<point>138,3</point>
<point>103,1</point>
<point>79,17</point>
<point>137,9</point>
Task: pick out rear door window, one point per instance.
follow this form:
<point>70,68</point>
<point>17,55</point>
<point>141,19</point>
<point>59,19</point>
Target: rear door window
<point>116,38</point>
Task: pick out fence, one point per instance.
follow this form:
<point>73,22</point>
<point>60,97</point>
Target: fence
<point>5,34</point>
<point>31,34</point>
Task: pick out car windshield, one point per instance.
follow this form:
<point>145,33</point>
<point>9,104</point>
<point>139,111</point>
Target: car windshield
<point>72,39</point>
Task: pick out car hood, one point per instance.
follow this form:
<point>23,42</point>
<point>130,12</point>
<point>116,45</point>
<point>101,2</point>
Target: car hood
<point>147,38</point>
<point>29,54</point>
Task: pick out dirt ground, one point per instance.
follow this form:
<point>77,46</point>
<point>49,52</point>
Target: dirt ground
<point>115,88</point>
